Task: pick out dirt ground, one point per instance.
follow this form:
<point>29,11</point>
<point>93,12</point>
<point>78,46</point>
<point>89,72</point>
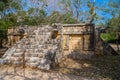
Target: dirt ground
<point>8,72</point>
<point>98,68</point>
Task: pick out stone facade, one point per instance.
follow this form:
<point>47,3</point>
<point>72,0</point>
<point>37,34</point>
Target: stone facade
<point>14,35</point>
<point>77,40</point>
<point>44,46</point>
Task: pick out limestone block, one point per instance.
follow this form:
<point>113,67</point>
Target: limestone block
<point>7,57</point>
<point>27,47</point>
<point>18,50</point>
<point>29,50</point>
<point>34,54</point>
<point>27,59</point>
<point>15,58</point>
<point>19,46</point>
<point>34,59</point>
<point>36,46</point>
<point>45,51</point>
<point>9,52</point>
<point>28,54</point>
<point>17,54</point>
<point>39,46</point>
<point>44,64</point>
<point>32,64</point>
<point>40,55</point>
<point>17,62</point>
<point>3,61</point>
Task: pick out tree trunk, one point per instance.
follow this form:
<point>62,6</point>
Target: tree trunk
<point>1,43</point>
<point>117,41</point>
<point>117,45</point>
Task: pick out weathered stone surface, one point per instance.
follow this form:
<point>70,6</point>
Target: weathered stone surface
<point>28,54</point>
<point>18,50</point>
<point>16,58</point>
<point>34,54</point>
<point>38,48</point>
<point>44,64</point>
<point>32,64</point>
<point>3,61</point>
<point>17,54</point>
<point>17,62</point>
<point>27,59</point>
<point>34,59</point>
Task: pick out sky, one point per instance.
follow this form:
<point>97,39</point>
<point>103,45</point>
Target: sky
<point>53,5</point>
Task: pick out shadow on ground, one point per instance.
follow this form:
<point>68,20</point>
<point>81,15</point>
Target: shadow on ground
<point>99,67</point>
<point>9,72</point>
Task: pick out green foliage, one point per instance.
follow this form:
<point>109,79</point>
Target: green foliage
<point>108,36</point>
<point>57,17</point>
<point>114,24</point>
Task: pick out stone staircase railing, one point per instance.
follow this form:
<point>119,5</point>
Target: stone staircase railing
<point>107,49</point>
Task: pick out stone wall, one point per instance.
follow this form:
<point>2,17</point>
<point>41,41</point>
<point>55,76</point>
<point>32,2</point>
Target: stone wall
<point>77,40</point>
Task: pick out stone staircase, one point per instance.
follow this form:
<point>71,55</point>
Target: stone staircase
<point>36,50</point>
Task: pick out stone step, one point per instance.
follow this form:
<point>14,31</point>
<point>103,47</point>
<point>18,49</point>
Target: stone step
<point>34,59</point>
<point>32,64</point>
<point>18,50</point>
<point>31,54</point>
<point>17,62</point>
<point>17,54</point>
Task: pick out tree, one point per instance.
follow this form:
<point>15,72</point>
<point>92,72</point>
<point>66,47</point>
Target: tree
<point>8,17</point>
<point>57,17</point>
<point>114,22</point>
<point>114,25</point>
<point>83,10</point>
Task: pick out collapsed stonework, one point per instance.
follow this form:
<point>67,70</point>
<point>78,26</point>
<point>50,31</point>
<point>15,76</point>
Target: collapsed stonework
<point>43,46</point>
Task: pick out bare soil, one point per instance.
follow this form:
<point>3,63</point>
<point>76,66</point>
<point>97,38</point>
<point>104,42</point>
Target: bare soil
<point>8,72</point>
<point>98,68</point>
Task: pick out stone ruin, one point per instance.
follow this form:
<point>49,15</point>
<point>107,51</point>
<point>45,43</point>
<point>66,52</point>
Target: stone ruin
<point>39,48</point>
